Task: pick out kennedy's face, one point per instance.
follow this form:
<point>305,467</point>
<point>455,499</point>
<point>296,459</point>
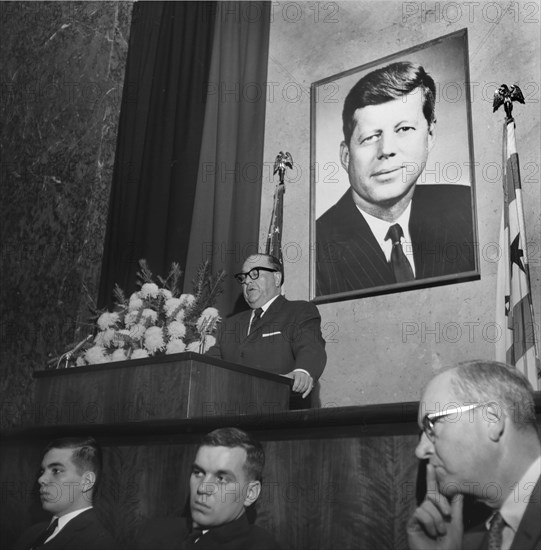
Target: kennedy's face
<point>219,486</point>
<point>387,151</point>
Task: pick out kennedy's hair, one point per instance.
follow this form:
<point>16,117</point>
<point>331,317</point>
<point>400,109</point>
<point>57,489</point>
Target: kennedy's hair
<point>504,386</point>
<point>86,455</point>
<point>385,84</point>
<point>233,437</point>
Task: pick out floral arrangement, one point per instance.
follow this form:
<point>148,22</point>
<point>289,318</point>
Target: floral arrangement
<point>156,320</point>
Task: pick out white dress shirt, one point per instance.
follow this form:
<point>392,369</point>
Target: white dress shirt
<point>515,504</point>
<point>380,228</point>
<point>63,520</point>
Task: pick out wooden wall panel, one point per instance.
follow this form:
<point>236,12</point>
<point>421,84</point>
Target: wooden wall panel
<point>346,480</point>
<point>318,493</point>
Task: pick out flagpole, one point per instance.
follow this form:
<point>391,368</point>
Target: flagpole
<point>520,347</point>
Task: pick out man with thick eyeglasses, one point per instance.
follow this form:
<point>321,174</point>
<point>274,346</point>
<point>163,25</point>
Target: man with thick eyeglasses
<point>276,334</point>
<point>479,438</point>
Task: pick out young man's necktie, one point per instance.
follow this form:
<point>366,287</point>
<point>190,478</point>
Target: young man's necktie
<point>44,535</point>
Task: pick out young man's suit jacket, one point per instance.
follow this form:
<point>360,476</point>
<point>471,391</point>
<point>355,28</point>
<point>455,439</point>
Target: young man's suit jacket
<point>287,337</point>
<point>173,534</point>
<point>441,229</point>
<point>83,532</point>
<point>528,535</point>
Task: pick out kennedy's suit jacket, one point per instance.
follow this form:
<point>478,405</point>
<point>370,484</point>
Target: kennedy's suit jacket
<point>528,536</point>
<point>441,229</point>
<point>173,534</point>
<point>288,336</point>
<point>83,532</point>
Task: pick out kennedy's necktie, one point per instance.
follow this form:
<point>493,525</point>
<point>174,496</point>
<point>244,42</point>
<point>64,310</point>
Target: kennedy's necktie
<point>257,315</point>
<point>495,532</point>
<point>44,535</point>
<point>399,262</point>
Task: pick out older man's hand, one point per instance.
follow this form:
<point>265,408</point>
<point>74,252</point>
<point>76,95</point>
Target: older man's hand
<point>437,523</point>
<point>302,382</point>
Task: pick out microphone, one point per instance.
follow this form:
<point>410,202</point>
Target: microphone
<point>78,347</point>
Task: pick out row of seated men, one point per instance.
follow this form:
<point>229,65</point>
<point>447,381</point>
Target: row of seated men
<point>478,437</point>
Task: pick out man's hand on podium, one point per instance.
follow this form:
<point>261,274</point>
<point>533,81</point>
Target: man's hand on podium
<point>302,382</point>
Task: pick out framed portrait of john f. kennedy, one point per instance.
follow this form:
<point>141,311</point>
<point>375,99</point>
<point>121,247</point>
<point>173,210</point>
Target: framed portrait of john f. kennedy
<point>392,184</point>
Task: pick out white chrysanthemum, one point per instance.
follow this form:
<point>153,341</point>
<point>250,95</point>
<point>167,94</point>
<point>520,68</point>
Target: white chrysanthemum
<point>135,302</point>
<point>180,315</point>
<point>137,332</point>
<point>139,354</point>
<point>149,290</point>
<point>131,318</point>
<point>165,293</point>
<point>176,329</point>
<point>194,346</point>
<point>149,315</point>
<point>209,342</point>
<point>171,305</point>
<point>107,320</point>
<point>121,338</point>
<point>96,355</point>
<point>208,319</point>
<point>119,355</point>
<point>154,339</point>
<point>104,337</point>
<point>175,346</point>
<point>187,299</point>
<point>80,361</point>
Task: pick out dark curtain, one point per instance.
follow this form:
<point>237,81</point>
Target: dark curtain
<point>225,225</point>
<point>159,139</point>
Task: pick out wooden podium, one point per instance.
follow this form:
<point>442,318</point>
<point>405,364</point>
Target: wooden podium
<point>171,387</point>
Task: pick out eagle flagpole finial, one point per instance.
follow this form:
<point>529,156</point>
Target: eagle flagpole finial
<point>505,96</point>
<point>283,161</point>
<point>274,238</point>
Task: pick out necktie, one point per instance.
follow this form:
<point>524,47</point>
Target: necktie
<point>399,262</point>
<point>495,532</point>
<point>257,315</point>
<point>44,535</point>
<point>192,538</point>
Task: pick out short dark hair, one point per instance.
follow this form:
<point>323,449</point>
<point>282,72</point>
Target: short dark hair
<point>233,437</point>
<point>486,381</point>
<point>385,84</point>
<point>86,456</point>
<point>274,262</point>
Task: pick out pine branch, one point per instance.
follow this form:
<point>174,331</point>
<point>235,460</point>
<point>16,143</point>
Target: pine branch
<point>172,280</point>
<point>201,280</point>
<point>120,297</point>
<point>215,287</point>
<point>144,275</point>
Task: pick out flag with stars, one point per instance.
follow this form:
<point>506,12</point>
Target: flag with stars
<point>517,345</point>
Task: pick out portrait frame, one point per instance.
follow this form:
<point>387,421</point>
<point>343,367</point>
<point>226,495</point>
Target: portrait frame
<point>450,162</point>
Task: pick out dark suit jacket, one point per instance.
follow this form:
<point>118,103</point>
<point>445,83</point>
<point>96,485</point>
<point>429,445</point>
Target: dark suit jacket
<point>528,536</point>
<point>287,337</point>
<point>84,532</point>
<point>441,229</point>
<point>173,534</point>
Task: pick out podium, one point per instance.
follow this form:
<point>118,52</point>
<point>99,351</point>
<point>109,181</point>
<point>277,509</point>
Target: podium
<point>171,387</point>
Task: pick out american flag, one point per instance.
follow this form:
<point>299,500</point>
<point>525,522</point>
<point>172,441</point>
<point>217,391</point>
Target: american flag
<point>514,315</point>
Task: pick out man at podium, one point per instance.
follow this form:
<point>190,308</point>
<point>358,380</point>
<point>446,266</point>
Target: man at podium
<point>276,334</point>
